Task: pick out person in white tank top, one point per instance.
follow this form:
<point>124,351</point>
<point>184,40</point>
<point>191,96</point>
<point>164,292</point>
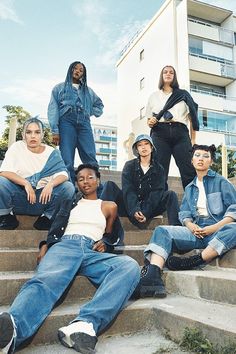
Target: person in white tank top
<point>79,250</point>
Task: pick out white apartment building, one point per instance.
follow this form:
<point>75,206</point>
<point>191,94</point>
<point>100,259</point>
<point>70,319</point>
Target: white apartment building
<point>198,39</point>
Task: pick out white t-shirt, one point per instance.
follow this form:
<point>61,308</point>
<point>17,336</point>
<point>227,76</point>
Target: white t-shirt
<point>25,163</point>
<point>156,102</point>
<point>201,203</point>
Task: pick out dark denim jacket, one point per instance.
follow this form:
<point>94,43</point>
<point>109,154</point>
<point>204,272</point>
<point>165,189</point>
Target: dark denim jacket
<point>137,187</point>
<point>220,195</point>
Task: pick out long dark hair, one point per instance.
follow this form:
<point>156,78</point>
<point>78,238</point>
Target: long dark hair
<point>174,83</point>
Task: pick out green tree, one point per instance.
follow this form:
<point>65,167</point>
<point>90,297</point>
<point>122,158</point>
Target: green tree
<point>21,115</point>
<point>231,161</point>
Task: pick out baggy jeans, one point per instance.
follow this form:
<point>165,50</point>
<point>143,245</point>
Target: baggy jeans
<point>114,276</point>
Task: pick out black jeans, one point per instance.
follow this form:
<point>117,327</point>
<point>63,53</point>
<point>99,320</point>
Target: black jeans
<point>173,139</point>
<point>169,203</point>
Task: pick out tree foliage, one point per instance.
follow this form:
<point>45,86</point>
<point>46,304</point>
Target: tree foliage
<point>231,161</point>
<point>21,115</point>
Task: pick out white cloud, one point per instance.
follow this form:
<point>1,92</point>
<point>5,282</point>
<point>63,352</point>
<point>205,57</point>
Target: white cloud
<point>92,15</point>
<point>34,95</point>
<point>7,11</point>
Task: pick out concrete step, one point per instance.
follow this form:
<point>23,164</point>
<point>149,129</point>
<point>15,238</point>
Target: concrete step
<point>21,239</point>
<point>211,283</point>
<point>137,343</point>
<point>11,282</point>
<point>26,223</point>
<point>170,315</point>
<point>25,259</point>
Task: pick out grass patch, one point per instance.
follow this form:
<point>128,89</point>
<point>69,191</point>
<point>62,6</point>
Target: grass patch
<point>195,341</point>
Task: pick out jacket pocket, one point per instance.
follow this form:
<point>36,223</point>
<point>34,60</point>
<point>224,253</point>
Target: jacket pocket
<point>215,203</point>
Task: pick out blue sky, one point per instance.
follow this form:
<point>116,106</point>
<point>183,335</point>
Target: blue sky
<point>39,39</point>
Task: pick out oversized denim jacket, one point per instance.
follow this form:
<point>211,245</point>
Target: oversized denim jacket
<point>220,195</point>
<point>59,105</point>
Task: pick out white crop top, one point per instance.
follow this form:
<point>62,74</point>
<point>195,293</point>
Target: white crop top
<point>87,219</point>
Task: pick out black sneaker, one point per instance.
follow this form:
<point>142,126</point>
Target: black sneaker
<point>184,263</point>
<point>151,283</point>
<point>8,222</point>
<point>7,333</point>
<point>42,223</point>
<point>81,342</point>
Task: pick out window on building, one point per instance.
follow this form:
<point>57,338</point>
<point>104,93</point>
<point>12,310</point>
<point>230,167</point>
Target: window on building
<point>141,84</point>
<point>141,55</point>
<point>212,51</point>
<point>142,113</point>
<point>207,89</point>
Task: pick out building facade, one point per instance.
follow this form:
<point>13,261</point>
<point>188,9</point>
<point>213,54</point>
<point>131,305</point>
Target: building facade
<point>105,138</point>
<point>198,39</point>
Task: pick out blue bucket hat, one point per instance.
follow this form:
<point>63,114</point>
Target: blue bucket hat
<point>140,138</point>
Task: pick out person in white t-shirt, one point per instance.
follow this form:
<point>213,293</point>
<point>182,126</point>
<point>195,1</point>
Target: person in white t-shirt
<point>170,111</point>
<point>33,179</point>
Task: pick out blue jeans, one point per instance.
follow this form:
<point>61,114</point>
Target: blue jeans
<point>114,276</point>
<point>13,197</point>
<point>76,132</point>
<point>167,239</point>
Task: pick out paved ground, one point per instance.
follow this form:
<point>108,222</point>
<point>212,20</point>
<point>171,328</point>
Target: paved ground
<point>141,343</point>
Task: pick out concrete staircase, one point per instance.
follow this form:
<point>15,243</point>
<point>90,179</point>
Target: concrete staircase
<point>205,299</point>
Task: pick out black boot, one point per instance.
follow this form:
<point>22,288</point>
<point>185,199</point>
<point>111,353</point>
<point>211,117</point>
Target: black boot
<point>8,222</point>
<point>151,283</point>
<point>184,263</point>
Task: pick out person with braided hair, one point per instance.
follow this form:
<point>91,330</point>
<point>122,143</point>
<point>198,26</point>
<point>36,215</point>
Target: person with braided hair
<point>208,215</point>
<point>70,108</point>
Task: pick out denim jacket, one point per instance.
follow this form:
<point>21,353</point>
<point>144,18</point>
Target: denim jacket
<point>137,187</point>
<point>61,104</point>
<point>220,198</point>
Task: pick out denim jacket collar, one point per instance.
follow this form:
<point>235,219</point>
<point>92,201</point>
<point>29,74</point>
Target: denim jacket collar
<point>210,173</point>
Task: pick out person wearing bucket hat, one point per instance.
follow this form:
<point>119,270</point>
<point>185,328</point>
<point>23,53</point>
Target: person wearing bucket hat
<point>143,194</point>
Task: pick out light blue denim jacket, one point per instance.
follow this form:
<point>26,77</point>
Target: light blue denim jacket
<point>220,195</point>
<point>60,104</point>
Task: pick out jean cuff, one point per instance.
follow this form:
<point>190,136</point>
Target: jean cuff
<point>152,247</point>
<point>218,246</point>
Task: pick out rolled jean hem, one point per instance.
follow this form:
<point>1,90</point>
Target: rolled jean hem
<point>218,246</point>
<point>5,211</point>
<point>152,247</point>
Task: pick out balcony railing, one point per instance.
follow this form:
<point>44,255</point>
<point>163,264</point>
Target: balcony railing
<point>211,93</point>
<point>226,69</point>
<point>225,35</point>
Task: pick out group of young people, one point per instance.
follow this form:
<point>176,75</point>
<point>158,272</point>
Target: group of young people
<point>36,180</point>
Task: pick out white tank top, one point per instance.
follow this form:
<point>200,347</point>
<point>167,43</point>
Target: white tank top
<point>87,219</point>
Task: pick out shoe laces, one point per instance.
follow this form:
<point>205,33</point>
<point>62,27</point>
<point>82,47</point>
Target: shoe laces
<point>144,271</point>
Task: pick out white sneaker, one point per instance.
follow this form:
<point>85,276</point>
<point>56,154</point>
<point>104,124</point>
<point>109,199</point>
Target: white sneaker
<point>64,333</point>
<point>7,333</point>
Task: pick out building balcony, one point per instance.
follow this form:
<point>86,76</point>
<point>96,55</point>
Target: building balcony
<point>214,101</point>
<point>211,70</point>
<point>103,163</point>
<point>215,33</point>
<point>105,138</point>
<point>107,151</point>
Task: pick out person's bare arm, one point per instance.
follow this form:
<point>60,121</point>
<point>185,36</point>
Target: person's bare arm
<point>15,178</point>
